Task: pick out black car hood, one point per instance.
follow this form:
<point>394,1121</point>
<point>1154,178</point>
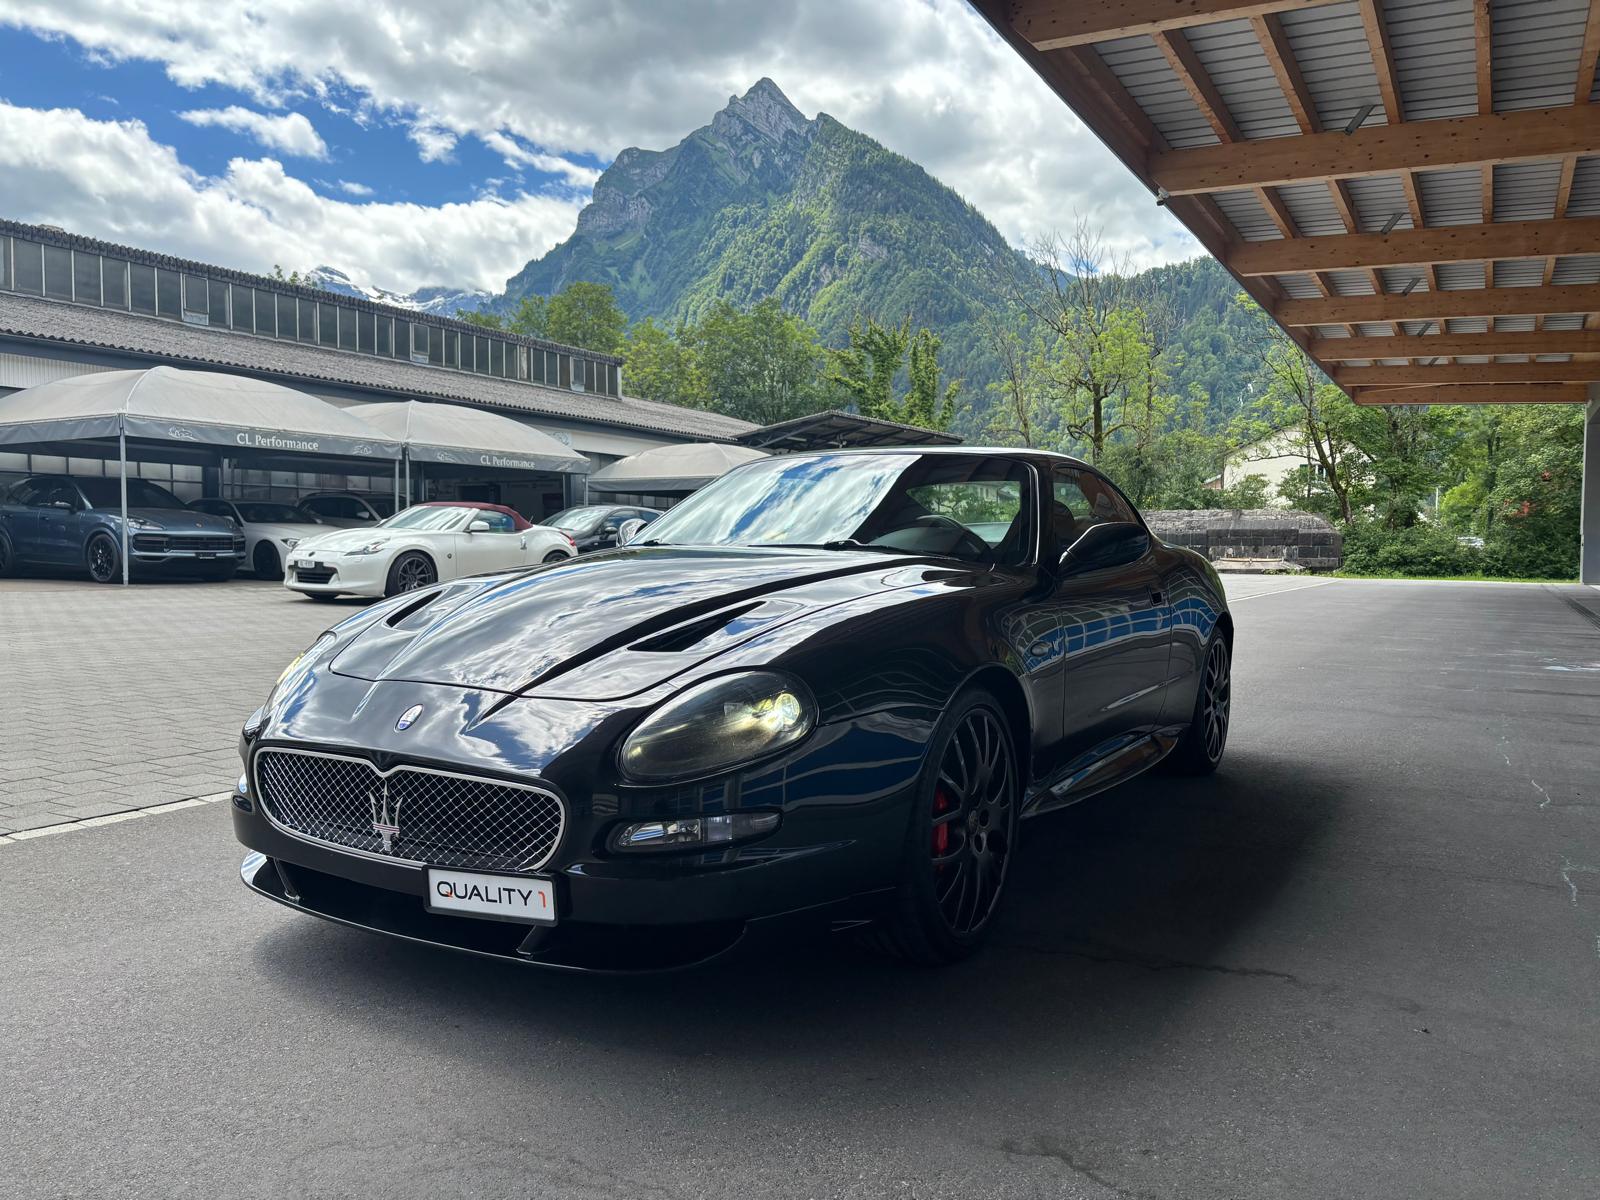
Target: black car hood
<point>611,625</point>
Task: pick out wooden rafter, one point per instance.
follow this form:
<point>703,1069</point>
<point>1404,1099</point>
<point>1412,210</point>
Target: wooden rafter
<point>1057,24</point>
<point>1534,393</point>
<point>1440,306</point>
<point>1410,247</point>
<point>1576,371</point>
<point>1456,345</point>
<point>1531,135</point>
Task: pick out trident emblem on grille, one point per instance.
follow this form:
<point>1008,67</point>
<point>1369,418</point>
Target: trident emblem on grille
<point>385,820</point>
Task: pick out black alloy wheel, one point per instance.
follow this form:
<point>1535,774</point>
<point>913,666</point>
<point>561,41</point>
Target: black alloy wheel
<point>556,556</point>
<point>410,572</point>
<point>266,562</point>
<point>104,559</point>
<point>1199,751</point>
<point>962,838</point>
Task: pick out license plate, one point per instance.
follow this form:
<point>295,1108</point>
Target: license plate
<point>206,554</point>
<point>501,897</point>
<point>306,563</point>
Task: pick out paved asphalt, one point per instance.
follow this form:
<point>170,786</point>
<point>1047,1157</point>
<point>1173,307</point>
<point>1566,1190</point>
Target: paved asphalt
<point>1363,961</point>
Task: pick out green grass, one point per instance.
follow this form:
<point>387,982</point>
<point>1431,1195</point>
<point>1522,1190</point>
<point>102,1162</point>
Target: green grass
<point>1447,578</point>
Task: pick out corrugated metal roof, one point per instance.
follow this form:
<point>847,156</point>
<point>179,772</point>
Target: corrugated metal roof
<point>1526,191</point>
<point>1451,197</point>
<point>1238,67</point>
<point>1378,198</point>
<point>1335,61</point>
<point>1455,277</point>
<point>1397,279</point>
<point>1141,68</point>
<point>1350,283</point>
<point>1312,207</point>
<point>1564,322</point>
<point>1585,199</point>
<point>1577,268</point>
<point>1521,324</point>
<point>1332,331</point>
<point>1373,329</point>
<point>1467,325</point>
<point>1247,216</point>
<point>1435,57</point>
<point>1519,272</point>
<point>1299,287</point>
<point>1536,48</point>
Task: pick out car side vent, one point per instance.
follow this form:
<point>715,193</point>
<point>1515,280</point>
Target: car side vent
<point>681,637</point>
<point>399,616</point>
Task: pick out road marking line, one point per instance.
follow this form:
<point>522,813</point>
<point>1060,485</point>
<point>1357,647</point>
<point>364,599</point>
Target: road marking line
<point>24,835</point>
<point>1299,587</point>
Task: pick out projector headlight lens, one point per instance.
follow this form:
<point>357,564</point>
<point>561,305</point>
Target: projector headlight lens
<point>719,724</point>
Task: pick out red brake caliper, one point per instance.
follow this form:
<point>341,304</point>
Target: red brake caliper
<point>941,833</point>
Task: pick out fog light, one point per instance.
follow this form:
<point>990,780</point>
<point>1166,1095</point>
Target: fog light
<point>692,832</point>
<point>243,785</point>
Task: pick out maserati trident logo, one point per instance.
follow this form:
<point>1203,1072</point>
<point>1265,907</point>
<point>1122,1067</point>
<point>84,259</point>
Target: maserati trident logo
<point>408,718</point>
<point>385,818</point>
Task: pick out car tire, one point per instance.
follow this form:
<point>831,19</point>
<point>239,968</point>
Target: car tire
<point>103,557</point>
<point>411,571</point>
<point>8,559</point>
<point>1200,748</point>
<point>556,556</point>
<point>961,840</point>
<point>266,562</point>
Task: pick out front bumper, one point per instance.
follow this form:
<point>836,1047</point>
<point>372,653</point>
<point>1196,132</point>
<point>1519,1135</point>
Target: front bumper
<point>338,574</point>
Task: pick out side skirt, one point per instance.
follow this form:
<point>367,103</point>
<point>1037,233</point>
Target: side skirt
<point>1117,764</point>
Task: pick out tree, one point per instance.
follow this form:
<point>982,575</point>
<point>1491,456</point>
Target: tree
<point>532,318</point>
<point>866,372</point>
<point>586,315</point>
<point>482,318</point>
<point>1017,413</point>
<point>663,365</point>
<point>762,365</point>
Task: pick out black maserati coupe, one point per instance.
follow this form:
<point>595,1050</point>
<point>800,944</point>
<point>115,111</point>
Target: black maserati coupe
<point>826,688</point>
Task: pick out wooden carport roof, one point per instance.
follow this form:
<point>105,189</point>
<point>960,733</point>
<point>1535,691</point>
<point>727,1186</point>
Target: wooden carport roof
<point>1411,188</point>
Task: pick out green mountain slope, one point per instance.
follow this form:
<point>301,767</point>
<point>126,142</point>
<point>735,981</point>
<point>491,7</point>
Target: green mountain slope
<point>764,202</point>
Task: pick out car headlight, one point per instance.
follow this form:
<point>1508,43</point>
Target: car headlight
<point>718,724</point>
<point>371,547</point>
<point>290,543</point>
<point>141,523</point>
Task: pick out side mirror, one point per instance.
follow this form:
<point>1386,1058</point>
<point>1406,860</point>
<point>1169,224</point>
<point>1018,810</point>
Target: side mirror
<point>479,526</point>
<point>629,530</point>
<point>1109,544</point>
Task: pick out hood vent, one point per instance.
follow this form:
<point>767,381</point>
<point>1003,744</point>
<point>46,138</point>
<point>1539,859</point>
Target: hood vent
<point>685,636</point>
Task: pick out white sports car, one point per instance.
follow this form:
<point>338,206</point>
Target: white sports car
<point>419,546</point>
<point>271,530</point>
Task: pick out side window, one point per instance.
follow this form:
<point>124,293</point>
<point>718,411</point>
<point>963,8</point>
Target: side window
<point>217,508</point>
<point>498,522</point>
<point>60,493</point>
<point>27,492</point>
<point>1081,499</point>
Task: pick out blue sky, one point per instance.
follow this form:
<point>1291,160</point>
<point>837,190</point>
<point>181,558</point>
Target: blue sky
<point>362,137</point>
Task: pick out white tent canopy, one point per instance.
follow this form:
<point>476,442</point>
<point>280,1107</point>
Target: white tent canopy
<point>667,469</point>
<point>454,433</point>
<point>192,407</point>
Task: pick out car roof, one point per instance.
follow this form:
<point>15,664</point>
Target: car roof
<point>520,521</point>
<point>992,451</point>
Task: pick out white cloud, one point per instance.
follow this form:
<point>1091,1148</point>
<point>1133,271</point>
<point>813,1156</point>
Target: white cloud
<point>290,133</point>
<point>351,188</point>
<point>111,179</point>
<point>588,77</point>
<point>516,154</point>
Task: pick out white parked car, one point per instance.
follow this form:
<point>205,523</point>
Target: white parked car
<point>271,530</point>
<point>422,545</point>
<point>348,510</point>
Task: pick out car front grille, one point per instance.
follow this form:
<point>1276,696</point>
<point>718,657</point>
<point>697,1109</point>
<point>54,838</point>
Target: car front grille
<point>165,543</point>
<point>414,813</point>
<point>313,574</point>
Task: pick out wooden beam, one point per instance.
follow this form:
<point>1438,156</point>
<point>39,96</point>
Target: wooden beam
<point>1530,135</point>
<point>1410,247</point>
<point>1280,57</point>
<point>1439,306</point>
<point>1057,24</point>
<point>1537,393</point>
<point>1382,61</point>
<point>1576,371</point>
<point>1454,345</point>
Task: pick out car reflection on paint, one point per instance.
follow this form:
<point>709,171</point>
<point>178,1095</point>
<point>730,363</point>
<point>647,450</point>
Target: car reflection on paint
<point>826,688</point>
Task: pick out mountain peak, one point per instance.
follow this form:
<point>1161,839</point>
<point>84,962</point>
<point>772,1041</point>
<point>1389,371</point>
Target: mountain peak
<point>765,109</point>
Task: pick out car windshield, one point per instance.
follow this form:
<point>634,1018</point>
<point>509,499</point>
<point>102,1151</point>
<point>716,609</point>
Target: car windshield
<point>427,516</point>
<point>107,493</point>
<point>286,514</point>
<point>578,520</point>
<point>972,507</point>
